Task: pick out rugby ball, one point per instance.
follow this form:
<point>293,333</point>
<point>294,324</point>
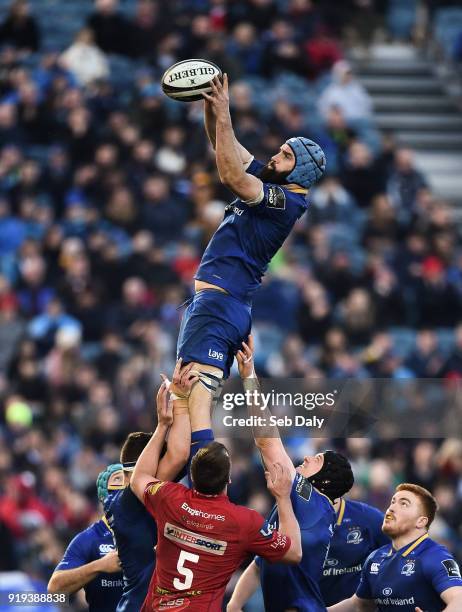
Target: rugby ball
<point>186,80</point>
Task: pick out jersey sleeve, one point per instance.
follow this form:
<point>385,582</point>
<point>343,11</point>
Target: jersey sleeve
<point>441,569</point>
<point>255,167</point>
<point>154,493</point>
<point>364,588</point>
<point>77,553</point>
<point>283,206</point>
<point>262,540</point>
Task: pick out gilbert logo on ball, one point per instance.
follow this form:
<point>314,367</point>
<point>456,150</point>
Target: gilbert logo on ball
<point>186,80</point>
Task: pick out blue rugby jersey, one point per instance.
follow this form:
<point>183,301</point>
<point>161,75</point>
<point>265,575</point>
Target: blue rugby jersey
<point>239,252</point>
<point>414,575</point>
<point>357,532</point>
<point>297,586</point>
<point>104,591</point>
<point>135,533</point>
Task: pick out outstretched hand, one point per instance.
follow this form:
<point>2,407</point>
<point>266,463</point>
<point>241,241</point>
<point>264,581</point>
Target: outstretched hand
<point>164,407</point>
<point>244,359</point>
<point>184,378</point>
<point>279,480</point>
<point>218,98</point>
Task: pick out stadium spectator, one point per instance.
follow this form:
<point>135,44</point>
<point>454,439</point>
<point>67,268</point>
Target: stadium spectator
<point>84,59</point>
<point>345,93</point>
<point>405,181</point>
<point>113,33</point>
<point>20,28</point>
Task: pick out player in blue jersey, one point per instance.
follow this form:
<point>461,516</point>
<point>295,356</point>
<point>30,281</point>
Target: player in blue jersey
<point>414,573</point>
<point>91,561</point>
<point>357,532</point>
<point>269,200</point>
<point>134,528</point>
<point>317,484</point>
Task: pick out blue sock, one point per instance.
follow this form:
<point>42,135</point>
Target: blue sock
<point>199,439</point>
<point>203,435</point>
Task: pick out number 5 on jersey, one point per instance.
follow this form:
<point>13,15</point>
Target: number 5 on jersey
<point>185,571</point>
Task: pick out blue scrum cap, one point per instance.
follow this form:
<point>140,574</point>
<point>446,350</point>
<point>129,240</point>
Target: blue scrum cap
<point>103,480</point>
<point>310,161</point>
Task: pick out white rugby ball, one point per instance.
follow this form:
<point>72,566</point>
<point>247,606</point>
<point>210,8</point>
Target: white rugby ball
<point>186,80</point>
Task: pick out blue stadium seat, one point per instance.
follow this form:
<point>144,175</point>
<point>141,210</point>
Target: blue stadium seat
<point>403,340</point>
<point>447,27</point>
<point>446,340</point>
<point>401,17</point>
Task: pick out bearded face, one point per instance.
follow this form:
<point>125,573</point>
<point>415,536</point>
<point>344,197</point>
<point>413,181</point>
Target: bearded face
<point>404,515</point>
<point>269,174</point>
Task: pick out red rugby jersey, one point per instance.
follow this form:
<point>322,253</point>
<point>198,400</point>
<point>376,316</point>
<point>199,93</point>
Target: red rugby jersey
<point>202,540</point>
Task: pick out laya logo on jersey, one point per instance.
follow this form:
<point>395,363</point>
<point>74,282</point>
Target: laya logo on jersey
<point>276,198</point>
<point>452,568</point>
<point>354,536</point>
<point>216,355</point>
<point>266,530</point>
<point>194,540</point>
<point>104,549</point>
<point>408,568</point>
<point>374,569</point>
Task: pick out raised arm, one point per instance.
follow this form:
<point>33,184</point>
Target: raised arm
<point>246,586</point>
<point>179,435</point>
<point>267,438</point>
<point>211,131</point>
<point>279,483</point>
<point>146,467</point>
<point>229,161</point>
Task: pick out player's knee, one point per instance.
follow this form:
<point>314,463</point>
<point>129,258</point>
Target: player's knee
<point>210,378</point>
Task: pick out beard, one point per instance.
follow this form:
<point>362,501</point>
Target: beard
<point>269,175</point>
<point>394,530</point>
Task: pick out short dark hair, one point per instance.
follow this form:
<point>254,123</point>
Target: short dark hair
<point>428,502</point>
<point>210,469</point>
<point>134,446</point>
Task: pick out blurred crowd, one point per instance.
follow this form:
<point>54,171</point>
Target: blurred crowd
<point>108,196</point>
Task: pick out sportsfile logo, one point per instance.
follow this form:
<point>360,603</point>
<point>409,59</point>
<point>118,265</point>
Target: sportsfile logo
<point>194,540</point>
